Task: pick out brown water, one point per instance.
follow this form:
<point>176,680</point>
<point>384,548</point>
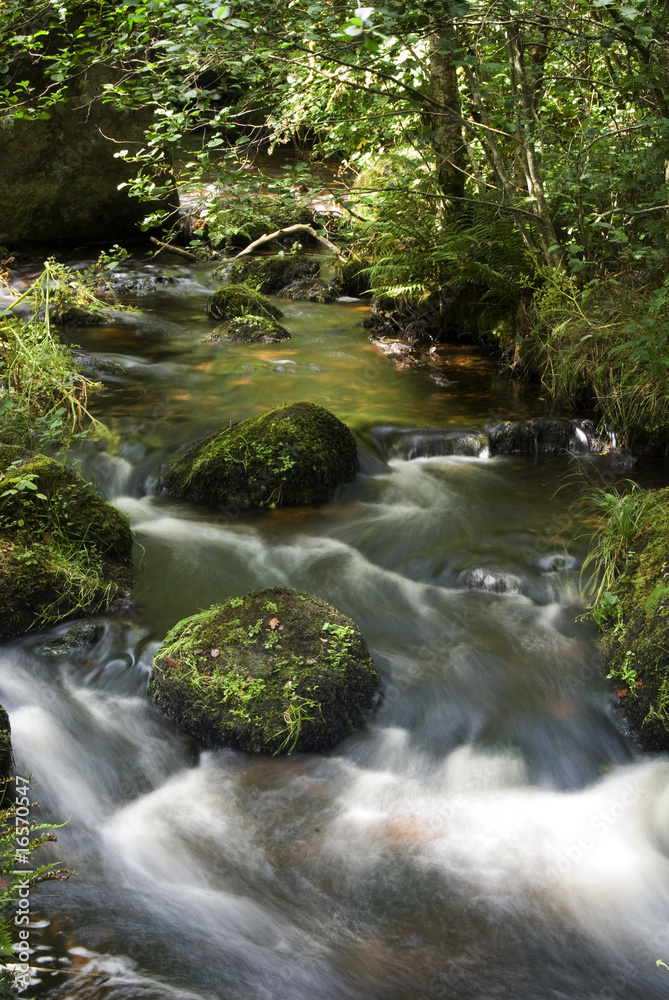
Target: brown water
<point>490,833</point>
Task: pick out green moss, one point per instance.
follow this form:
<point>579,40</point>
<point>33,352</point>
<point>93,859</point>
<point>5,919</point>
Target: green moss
<point>249,330</point>
<point>63,549</point>
<point>233,301</point>
<point>269,274</point>
<point>636,642</point>
<point>295,454</point>
<point>243,674</point>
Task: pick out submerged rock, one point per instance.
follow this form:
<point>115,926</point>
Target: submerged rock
<point>248,330</point>
<point>518,437</point>
<point>234,301</point>
<point>295,454</point>
<point>276,671</point>
<point>635,615</point>
<point>491,581</point>
<point>63,549</point>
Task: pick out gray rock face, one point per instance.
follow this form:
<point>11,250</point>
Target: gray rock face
<point>60,176</point>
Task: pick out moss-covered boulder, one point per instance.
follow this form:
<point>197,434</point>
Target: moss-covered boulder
<point>268,274</point>
<point>276,671</point>
<point>295,454</point>
<point>248,330</point>
<point>635,615</point>
<point>63,549</point>
<point>233,301</point>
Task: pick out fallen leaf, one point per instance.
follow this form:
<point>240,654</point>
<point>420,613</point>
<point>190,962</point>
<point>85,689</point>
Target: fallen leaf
<point>309,662</point>
<point>273,622</point>
<point>323,640</point>
<point>215,652</point>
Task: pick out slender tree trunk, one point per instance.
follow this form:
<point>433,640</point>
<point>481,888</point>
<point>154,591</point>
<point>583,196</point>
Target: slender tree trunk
<point>447,141</point>
<point>526,119</point>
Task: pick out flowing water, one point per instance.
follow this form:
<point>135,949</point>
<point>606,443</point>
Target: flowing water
<point>491,832</point>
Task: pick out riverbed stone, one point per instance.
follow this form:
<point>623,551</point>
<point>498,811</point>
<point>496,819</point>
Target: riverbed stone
<point>276,671</point>
<point>63,549</point>
<point>248,330</point>
<point>635,617</point>
<point>529,437</point>
<point>234,301</point>
<point>297,453</point>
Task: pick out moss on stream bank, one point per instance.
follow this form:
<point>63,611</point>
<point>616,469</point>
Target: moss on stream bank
<point>635,617</point>
<point>63,549</point>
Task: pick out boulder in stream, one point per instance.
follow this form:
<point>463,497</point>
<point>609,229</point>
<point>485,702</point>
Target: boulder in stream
<point>269,274</point>
<point>276,671</point>
<point>529,437</point>
<point>294,454</point>
<point>234,301</point>
<point>63,549</point>
<point>248,330</point>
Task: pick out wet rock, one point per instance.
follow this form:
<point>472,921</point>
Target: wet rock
<point>295,454</point>
<point>248,330</point>
<point>310,290</point>
<point>528,437</point>
<point>79,316</point>
<point>98,368</point>
<point>78,638</point>
<point>555,562</point>
<point>233,301</point>
<point>428,442</point>
<point>135,283</point>
<point>63,549</point>
<point>276,671</point>
<point>489,580</point>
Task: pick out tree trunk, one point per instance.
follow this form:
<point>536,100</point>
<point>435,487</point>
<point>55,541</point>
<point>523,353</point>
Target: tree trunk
<point>447,141</point>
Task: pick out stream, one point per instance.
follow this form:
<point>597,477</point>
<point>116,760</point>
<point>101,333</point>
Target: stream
<point>491,832</point>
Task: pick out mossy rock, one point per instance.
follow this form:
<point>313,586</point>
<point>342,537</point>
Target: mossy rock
<point>276,671</point>
<point>295,454</point>
<point>636,650</point>
<point>248,330</point>
<point>63,549</point>
<point>233,301</point>
<point>6,758</point>
<point>310,290</point>
<point>269,274</point>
